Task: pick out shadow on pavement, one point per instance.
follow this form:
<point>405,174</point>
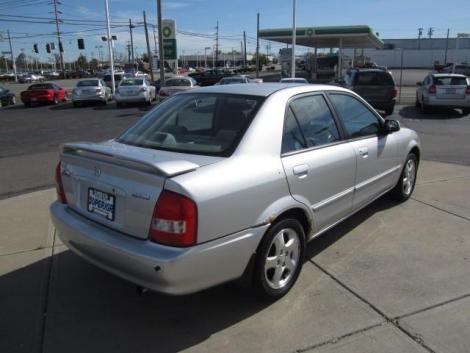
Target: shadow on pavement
<point>411,112</point>
<point>90,310</point>
<point>98,106</point>
<point>328,238</point>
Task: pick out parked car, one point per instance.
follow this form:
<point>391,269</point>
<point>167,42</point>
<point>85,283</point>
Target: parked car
<point>209,77</point>
<point>117,78</point>
<point>91,90</point>
<point>135,90</point>
<point>30,78</point>
<point>174,85</point>
<point>229,182</point>
<point>232,80</point>
<point>444,91</point>
<point>253,79</point>
<point>294,80</point>
<point>43,93</point>
<point>6,97</point>
<point>463,69</point>
<point>376,86</point>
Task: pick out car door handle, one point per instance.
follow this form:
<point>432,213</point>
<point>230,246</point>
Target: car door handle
<point>301,171</point>
<point>364,152</point>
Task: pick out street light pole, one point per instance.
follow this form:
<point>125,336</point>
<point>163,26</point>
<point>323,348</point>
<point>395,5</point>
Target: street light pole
<point>12,56</point>
<point>205,57</point>
<point>294,30</point>
<point>110,49</point>
<point>160,41</point>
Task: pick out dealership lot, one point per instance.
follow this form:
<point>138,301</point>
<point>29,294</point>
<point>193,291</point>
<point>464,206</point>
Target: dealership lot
<point>392,278</point>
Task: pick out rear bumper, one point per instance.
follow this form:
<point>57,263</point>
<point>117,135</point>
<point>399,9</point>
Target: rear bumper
<point>161,268</point>
<point>88,98</point>
<point>449,103</point>
<point>39,99</point>
<point>129,99</point>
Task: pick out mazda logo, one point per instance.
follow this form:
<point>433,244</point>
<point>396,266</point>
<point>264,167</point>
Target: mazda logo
<point>97,171</point>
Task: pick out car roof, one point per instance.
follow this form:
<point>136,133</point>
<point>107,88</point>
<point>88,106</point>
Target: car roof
<point>261,89</point>
<point>448,75</point>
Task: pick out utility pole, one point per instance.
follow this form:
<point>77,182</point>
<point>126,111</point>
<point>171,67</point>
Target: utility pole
<point>420,34</point>
<point>241,51</point>
<point>244,49</point>
<point>160,41</point>
<point>430,32</point>
<point>294,30</point>
<point>447,46</point>
<point>61,49</point>
<point>12,56</point>
<point>110,49</point>
<point>149,53</point>
<point>217,43</point>
<point>257,45</point>
<point>131,26</point>
<point>205,56</point>
<point>154,40</point>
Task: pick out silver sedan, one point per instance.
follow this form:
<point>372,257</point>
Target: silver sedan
<point>91,90</point>
<point>135,90</point>
<point>229,182</point>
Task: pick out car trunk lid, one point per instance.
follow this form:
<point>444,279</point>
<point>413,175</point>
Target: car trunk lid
<point>118,185</point>
<point>451,91</point>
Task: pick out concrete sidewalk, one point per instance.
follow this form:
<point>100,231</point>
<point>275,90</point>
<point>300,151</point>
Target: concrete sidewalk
<point>394,278</point>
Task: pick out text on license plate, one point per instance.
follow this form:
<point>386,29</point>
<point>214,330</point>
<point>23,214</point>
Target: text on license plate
<point>450,91</point>
<point>102,203</point>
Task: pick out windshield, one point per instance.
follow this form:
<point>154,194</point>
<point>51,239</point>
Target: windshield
<point>177,82</point>
<point>88,83</point>
<point>132,82</point>
<point>210,124</point>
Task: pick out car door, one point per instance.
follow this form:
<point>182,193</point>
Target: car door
<point>319,165</point>
<point>377,162</point>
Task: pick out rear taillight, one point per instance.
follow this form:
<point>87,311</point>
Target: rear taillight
<point>58,185</point>
<point>467,91</point>
<point>98,90</point>
<point>394,92</point>
<point>432,89</point>
<point>174,220</point>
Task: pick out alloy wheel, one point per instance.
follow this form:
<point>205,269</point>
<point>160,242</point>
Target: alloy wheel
<point>409,176</point>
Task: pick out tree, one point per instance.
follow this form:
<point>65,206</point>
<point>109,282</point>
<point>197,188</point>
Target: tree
<point>263,60</point>
<point>145,57</point>
<point>21,60</point>
<point>94,64</point>
<point>81,62</point>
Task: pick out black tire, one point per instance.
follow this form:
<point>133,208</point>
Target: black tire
<point>118,105</point>
<point>56,100</point>
<point>27,105</point>
<point>401,192</point>
<point>465,111</point>
<point>268,248</point>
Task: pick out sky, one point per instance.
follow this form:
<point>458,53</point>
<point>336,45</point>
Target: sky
<point>198,18</point>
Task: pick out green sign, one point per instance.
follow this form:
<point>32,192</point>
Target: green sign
<point>169,49</point>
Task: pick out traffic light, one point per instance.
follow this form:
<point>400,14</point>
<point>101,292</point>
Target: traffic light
<point>81,43</point>
<point>52,46</point>
<point>35,48</point>
<point>48,48</point>
<point>61,48</point>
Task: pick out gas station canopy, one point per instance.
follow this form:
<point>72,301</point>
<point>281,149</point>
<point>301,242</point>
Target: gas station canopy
<point>326,37</point>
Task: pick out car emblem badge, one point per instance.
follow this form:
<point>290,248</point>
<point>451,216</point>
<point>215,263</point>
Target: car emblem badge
<point>97,171</point>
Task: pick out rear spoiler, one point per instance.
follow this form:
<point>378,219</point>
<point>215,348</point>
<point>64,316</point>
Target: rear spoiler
<point>107,154</point>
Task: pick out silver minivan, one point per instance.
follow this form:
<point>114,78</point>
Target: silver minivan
<point>228,182</point>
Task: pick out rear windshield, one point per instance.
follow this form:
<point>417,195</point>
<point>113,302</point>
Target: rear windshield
<point>41,86</point>
<point>374,78</point>
<point>117,77</point>
<point>177,82</point>
<point>132,82</point>
<point>450,81</point>
<point>88,83</point>
<point>208,124</point>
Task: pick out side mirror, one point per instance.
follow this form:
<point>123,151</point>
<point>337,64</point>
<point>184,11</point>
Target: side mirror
<point>390,126</point>
<point>419,83</point>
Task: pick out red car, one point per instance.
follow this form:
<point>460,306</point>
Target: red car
<point>43,93</point>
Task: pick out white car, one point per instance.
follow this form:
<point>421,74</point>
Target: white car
<point>134,90</point>
<point>176,84</point>
<point>91,90</point>
<point>444,90</point>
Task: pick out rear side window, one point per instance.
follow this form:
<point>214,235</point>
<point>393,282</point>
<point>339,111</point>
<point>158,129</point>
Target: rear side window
<point>315,124</point>
<point>357,119</point>
<point>374,78</point>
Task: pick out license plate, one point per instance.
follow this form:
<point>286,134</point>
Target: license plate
<point>450,91</point>
<point>101,203</point>
<point>34,99</point>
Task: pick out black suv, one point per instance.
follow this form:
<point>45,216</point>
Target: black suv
<point>376,86</point>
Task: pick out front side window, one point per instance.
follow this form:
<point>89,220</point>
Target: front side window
<point>358,120</point>
<point>315,119</point>
<point>209,124</point>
